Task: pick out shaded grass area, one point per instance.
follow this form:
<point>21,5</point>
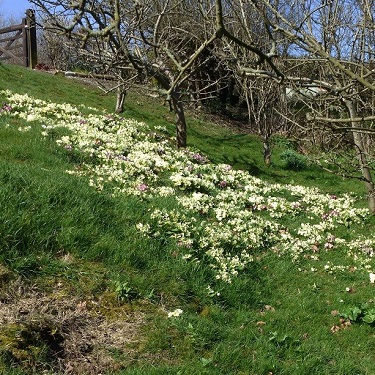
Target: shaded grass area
<point>60,237</point>
<point>50,214</point>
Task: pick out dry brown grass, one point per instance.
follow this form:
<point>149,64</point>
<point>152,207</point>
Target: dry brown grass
<point>59,333</point>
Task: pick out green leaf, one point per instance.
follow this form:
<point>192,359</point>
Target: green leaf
<point>352,313</point>
<point>369,316</point>
<point>356,312</point>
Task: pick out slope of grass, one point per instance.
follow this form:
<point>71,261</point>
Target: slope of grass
<point>75,263</point>
<point>220,143</point>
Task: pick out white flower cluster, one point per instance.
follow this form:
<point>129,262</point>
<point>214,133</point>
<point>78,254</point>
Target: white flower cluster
<point>225,217</point>
<point>175,314</point>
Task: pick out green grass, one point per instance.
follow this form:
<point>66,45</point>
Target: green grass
<point>61,239</point>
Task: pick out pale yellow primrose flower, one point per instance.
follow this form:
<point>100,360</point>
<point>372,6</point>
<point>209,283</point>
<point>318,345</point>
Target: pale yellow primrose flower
<point>175,314</point>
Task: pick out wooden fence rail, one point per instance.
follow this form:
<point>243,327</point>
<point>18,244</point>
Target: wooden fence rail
<point>18,42</point>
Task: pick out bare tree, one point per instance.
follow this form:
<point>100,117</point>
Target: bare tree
<point>174,41</point>
<point>53,51</point>
<point>335,38</point>
<point>171,41</point>
<point>263,95</point>
<point>265,101</point>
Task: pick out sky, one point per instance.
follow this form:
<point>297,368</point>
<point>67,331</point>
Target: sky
<point>14,8</point>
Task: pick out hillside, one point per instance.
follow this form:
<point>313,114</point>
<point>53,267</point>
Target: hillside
<point>121,254</point>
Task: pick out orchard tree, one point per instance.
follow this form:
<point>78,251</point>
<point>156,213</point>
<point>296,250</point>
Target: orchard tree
<point>130,39</point>
<point>170,41</point>
<point>263,94</point>
<point>175,42</point>
<point>336,38</point>
<point>266,104</point>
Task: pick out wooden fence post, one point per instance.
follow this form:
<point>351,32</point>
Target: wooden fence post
<point>31,44</point>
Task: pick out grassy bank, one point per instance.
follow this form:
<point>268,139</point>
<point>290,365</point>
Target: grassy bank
<point>122,255</point>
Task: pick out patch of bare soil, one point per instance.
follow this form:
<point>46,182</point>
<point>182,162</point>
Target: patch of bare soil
<point>55,333</point>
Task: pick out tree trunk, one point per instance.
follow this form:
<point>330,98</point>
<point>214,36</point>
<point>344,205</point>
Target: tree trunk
<point>120,101</point>
<point>362,158</point>
<point>178,107</point>
<point>267,151</point>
